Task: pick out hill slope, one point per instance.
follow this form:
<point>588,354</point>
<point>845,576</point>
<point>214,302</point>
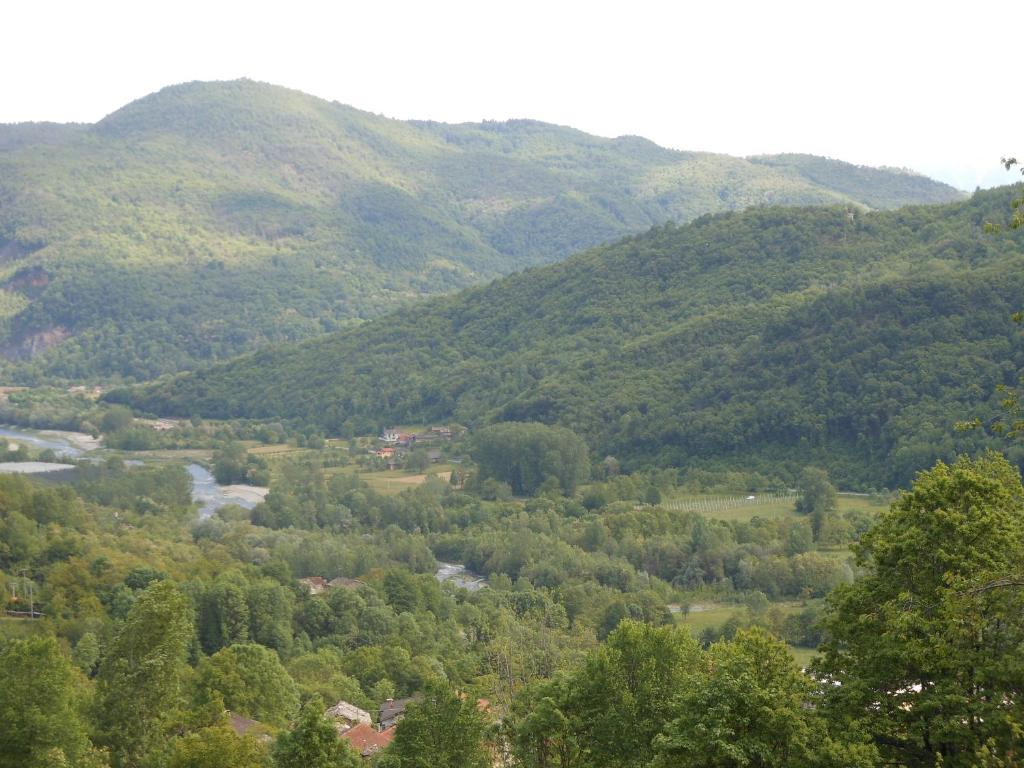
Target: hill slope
<point>808,335</point>
<point>209,218</point>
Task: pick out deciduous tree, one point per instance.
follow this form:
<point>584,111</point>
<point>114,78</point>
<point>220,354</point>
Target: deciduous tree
<point>924,649</point>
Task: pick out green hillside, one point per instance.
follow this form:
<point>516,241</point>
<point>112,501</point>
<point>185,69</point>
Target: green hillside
<point>210,218</point>
<point>814,335</point>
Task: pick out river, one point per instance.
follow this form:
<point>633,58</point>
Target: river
<point>206,492</point>
<point>211,496</point>
<point>67,445</point>
<point>460,577</point>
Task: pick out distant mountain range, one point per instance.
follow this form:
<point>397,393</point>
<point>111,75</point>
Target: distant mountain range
<point>209,218</point>
<point>770,338</point>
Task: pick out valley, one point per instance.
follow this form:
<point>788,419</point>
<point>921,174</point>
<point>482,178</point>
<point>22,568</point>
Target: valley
<point>337,440</point>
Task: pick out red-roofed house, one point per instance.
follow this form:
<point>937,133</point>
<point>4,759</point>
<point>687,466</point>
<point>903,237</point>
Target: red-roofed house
<point>367,740</point>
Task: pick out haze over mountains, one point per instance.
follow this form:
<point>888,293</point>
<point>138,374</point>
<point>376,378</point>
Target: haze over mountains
<point>779,336</point>
<point>210,218</point>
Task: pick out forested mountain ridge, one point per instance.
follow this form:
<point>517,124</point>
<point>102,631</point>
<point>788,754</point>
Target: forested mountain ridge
<point>814,335</point>
<point>209,218</point>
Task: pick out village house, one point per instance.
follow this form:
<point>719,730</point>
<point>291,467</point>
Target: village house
<point>389,435</point>
<point>391,711</point>
<point>318,585</point>
<point>245,726</point>
<point>347,716</point>
<point>343,582</point>
<point>366,740</point>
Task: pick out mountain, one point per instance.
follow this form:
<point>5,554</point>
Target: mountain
<point>209,218</point>
<point>800,335</point>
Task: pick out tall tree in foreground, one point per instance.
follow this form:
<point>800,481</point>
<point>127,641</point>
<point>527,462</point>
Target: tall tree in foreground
<point>140,676</point>
<point>251,681</point>
<point>218,747</point>
<point>445,730</point>
<point>313,742</point>
<point>748,705</point>
<point>926,648</point>
<point>38,707</point>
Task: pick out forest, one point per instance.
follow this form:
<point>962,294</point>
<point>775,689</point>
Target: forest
<point>721,470</point>
<point>137,635</point>
<point>765,339</point>
<point>211,218</point>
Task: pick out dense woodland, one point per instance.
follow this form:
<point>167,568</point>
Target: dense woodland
<point>210,218</point>
<point>637,477</point>
<point>773,338</point>
<point>154,626</point>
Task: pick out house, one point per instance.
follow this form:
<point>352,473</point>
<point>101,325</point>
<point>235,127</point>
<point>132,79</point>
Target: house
<point>434,455</point>
<point>244,726</point>
<point>391,711</point>
<point>347,716</point>
<point>316,585</point>
<point>405,439</point>
<point>384,453</point>
<point>389,435</point>
<point>366,740</point>
<point>343,582</point>
<point>443,432</point>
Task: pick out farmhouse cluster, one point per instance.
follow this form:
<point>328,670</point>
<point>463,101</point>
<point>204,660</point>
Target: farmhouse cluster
<point>393,445</point>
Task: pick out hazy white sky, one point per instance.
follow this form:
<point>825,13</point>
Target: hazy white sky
<point>932,86</point>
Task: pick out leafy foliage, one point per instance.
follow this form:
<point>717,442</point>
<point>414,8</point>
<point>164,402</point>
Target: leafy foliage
<point>40,707</point>
<point>210,218</point>
<point>444,730</point>
<point>140,677</point>
<point>926,646</point>
<point>525,455</point>
<point>250,680</point>
<point>313,743</point>
<point>779,338</point>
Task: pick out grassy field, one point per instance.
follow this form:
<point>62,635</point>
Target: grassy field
<point>710,615</point>
<point>201,455</point>
<point>392,482</point>
<point>802,656</point>
<point>737,508</point>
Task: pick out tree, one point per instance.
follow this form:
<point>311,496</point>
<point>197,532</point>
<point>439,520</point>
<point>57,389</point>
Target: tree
<point>224,616</point>
<point>400,591</point>
<point>525,454</point>
<point>817,499</point>
<point>542,735</point>
<point>1017,220</point>
<point>117,419</point>
<point>86,653</point>
<point>313,742</point>
<point>251,681</point>
<point>39,707</point>
<point>139,679</point>
<point>444,730</point>
<point>230,463</point>
<point>748,704</point>
<point>218,747</point>
<point>925,647</point>
<point>619,700</point>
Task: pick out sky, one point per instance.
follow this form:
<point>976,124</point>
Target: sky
<point>929,86</point>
